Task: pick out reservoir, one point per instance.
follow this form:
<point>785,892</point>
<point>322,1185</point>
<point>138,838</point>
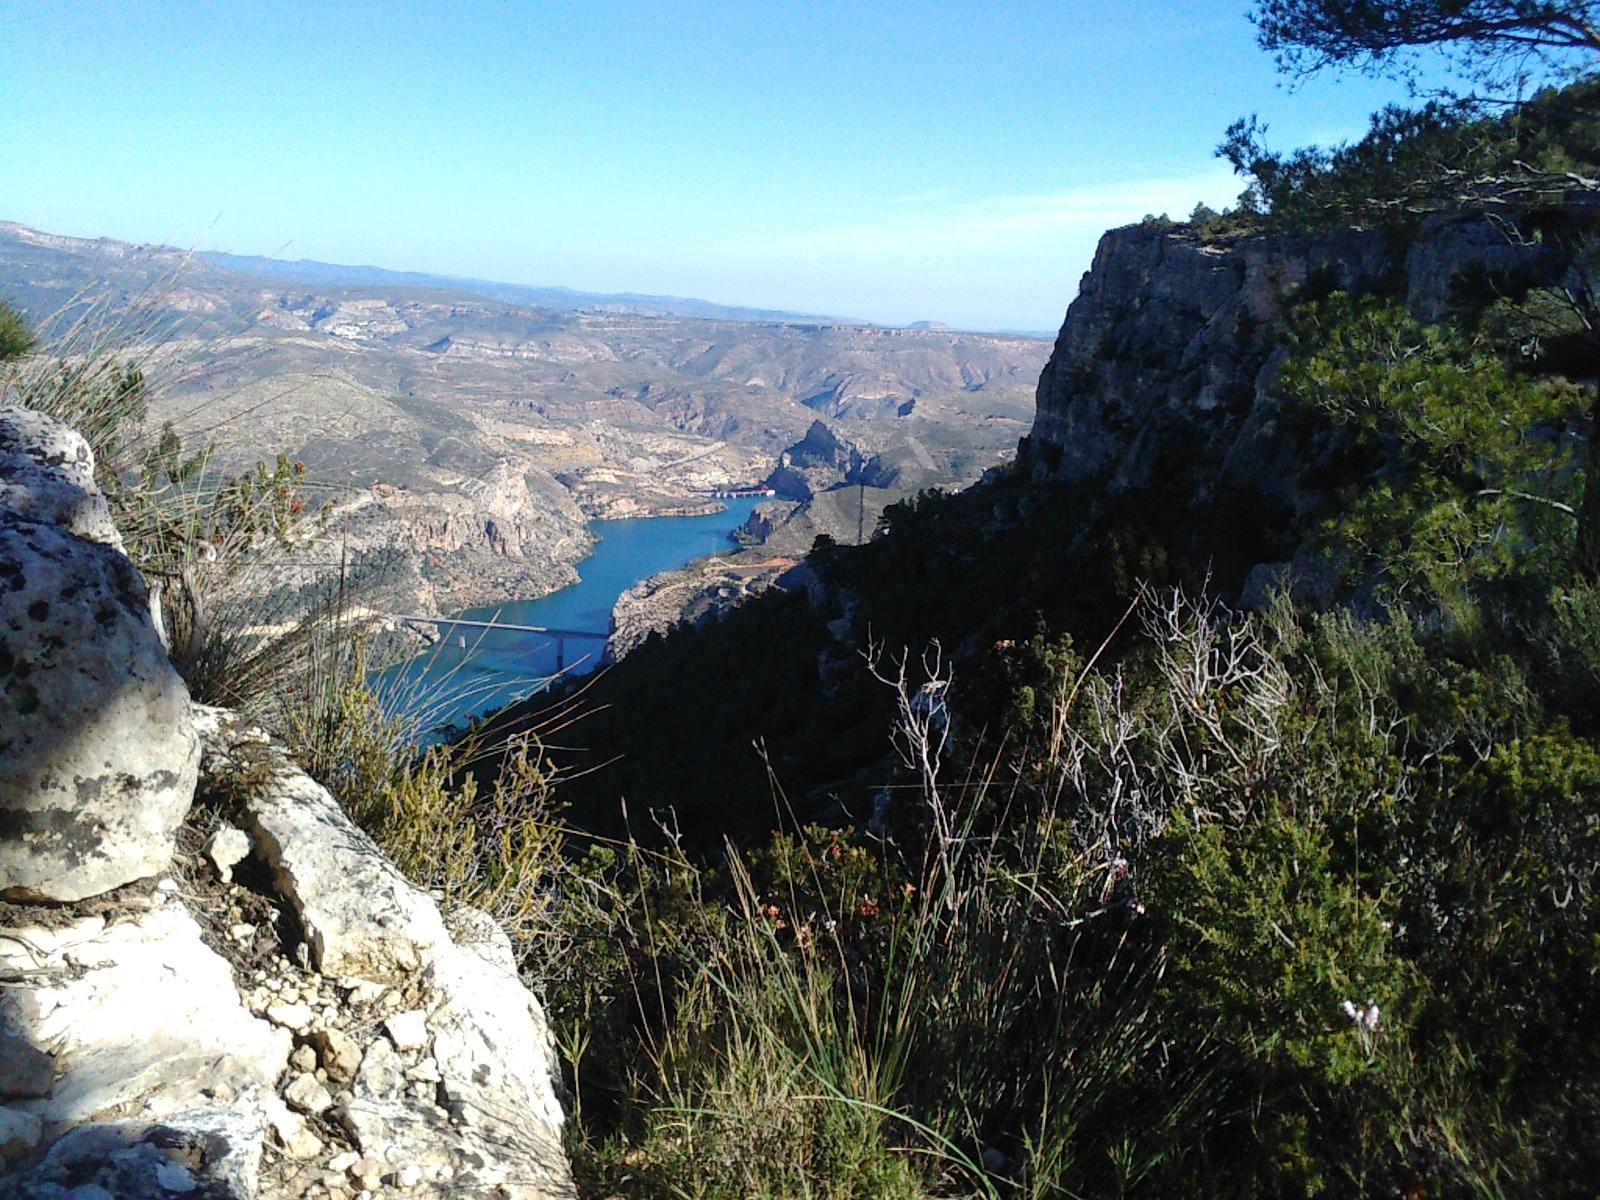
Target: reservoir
<point>452,682</point>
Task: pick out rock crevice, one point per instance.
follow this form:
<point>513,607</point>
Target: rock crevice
<point>155,1043</point>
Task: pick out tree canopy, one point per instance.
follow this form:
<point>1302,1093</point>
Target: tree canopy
<point>1489,36</point>
<point>1444,156</point>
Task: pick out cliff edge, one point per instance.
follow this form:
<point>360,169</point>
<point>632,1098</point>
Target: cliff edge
<point>1164,365</point>
<point>212,984</point>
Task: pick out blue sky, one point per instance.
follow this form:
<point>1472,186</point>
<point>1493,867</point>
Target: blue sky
<point>897,162</point>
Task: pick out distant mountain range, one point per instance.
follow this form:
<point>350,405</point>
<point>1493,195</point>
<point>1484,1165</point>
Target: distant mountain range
<point>467,430</point>
<point>562,299</point>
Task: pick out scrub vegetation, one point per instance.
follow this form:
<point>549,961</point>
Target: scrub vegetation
<point>1167,897</point>
<point>1299,901</point>
<point>1162,895</point>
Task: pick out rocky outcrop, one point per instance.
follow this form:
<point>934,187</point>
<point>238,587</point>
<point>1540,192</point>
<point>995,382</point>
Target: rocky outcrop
<point>97,750</point>
<point>137,1017</point>
<point>335,877</point>
<point>271,1011</point>
<point>47,475</point>
<point>453,1091</point>
<point>1166,343</point>
<point>445,541</point>
<point>704,590</point>
<point>390,1051</point>
<point>819,460</point>
<point>822,460</point>
<point>1165,361</point>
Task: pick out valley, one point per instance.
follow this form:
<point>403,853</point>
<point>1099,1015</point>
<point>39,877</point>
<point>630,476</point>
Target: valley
<point>461,436</point>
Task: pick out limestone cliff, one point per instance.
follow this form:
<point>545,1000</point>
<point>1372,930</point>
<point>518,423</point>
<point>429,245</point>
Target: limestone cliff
<point>1166,359</point>
<point>211,982</point>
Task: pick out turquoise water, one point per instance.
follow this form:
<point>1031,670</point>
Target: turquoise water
<point>452,681</point>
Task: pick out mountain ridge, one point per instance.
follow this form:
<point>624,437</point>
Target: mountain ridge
<point>560,298</point>
<point>473,438</point>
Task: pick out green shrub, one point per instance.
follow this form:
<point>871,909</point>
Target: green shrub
<point>16,335</point>
<point>1473,477</point>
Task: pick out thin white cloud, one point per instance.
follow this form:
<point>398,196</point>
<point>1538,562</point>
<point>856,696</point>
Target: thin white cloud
<point>1010,222</point>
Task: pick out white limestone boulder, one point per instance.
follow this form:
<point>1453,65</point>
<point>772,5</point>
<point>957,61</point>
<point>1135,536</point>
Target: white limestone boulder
<point>211,1153</point>
<point>494,1126</point>
<point>139,1016</point>
<point>160,1074</point>
<point>98,752</point>
<point>361,916</point>
<point>47,475</point>
<point>455,1088</point>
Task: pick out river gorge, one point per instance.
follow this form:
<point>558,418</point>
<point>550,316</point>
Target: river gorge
<point>476,667</point>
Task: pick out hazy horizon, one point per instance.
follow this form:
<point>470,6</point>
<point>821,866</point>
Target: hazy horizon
<point>953,164</point>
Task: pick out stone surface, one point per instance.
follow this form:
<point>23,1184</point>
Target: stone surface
<point>294,1016</point>
<point>20,1132</point>
<point>1164,366</point>
<point>408,1030</point>
<point>212,1153</point>
<point>28,1071</point>
<point>360,914</point>
<point>290,1128</point>
<point>226,849</point>
<point>47,475</point>
<point>1161,350</point>
<point>496,1059</point>
<point>140,1014</point>
<point>161,1077</point>
<point>694,595</point>
<point>338,1052</point>
<point>408,1176</point>
<point>382,1074</point>
<point>498,1130</point>
<point>819,460</point>
<point>97,748</point>
<point>129,1059</point>
<point>306,1095</point>
<point>366,991</point>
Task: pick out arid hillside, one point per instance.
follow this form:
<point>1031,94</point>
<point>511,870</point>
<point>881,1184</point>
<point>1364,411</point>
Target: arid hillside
<point>471,436</point>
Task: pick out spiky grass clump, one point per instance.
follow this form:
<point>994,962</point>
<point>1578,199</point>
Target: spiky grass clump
<point>243,580</point>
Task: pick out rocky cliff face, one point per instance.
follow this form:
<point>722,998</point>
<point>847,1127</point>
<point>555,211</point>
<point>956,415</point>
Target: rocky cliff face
<point>690,596</point>
<point>1166,359</point>
<point>510,533</point>
<point>229,998</point>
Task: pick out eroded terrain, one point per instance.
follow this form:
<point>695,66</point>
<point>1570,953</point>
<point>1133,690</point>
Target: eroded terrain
<point>463,440</point>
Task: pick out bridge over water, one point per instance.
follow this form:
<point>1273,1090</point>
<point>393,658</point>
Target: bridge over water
<point>447,626</point>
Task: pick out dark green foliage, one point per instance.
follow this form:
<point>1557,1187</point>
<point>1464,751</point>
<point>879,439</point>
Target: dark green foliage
<point>1445,156</point>
<point>1473,473</point>
<point>771,687</point>
<point>1491,38</point>
<point>16,335</point>
<point>761,682</point>
<point>1210,225</point>
<point>1332,940</point>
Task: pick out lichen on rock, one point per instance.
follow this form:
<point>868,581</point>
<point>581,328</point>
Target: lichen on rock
<point>142,1053</point>
<point>98,752</point>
